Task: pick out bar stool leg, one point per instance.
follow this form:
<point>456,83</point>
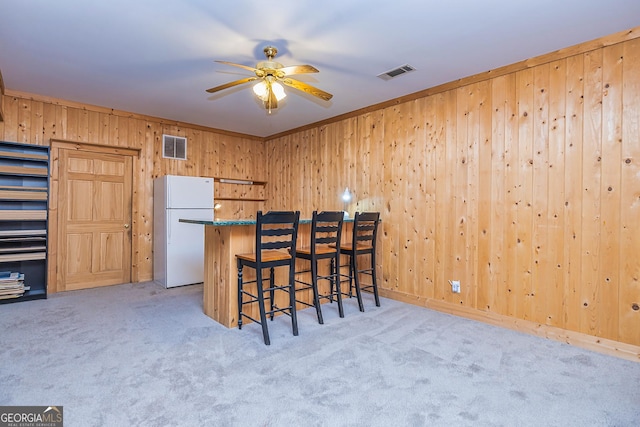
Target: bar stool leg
<point>314,285</point>
<point>292,299</point>
<point>263,316</point>
<point>239,294</point>
<point>272,292</point>
<point>335,279</point>
<point>373,278</point>
<point>354,272</point>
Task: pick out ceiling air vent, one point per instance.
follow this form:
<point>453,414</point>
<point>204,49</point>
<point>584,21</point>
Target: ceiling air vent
<point>403,69</point>
<point>174,147</point>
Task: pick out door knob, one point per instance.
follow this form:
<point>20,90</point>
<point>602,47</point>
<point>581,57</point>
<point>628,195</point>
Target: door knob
<point>126,226</point>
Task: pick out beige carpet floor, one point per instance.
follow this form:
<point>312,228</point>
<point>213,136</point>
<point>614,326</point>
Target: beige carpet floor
<point>142,355</point>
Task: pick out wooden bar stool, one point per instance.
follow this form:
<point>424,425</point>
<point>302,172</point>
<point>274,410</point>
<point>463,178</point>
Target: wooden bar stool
<point>326,231</point>
<point>363,242</point>
<point>276,235</point>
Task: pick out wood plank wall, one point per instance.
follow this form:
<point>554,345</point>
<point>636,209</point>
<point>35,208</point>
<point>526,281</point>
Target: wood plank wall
<point>524,186</point>
<point>34,119</point>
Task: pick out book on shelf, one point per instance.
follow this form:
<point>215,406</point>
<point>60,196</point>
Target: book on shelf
<point>11,284</point>
<point>10,275</point>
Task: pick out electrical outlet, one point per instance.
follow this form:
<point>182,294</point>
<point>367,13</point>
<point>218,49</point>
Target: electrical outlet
<point>455,286</point>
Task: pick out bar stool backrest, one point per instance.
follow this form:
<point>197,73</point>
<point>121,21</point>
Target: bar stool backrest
<point>326,229</point>
<point>365,230</point>
<point>276,230</point>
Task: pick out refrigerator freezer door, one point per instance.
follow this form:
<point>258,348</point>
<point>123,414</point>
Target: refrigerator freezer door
<point>185,247</point>
<point>190,192</point>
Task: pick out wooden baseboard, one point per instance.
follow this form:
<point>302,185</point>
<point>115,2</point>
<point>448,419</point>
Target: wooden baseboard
<point>578,339</point>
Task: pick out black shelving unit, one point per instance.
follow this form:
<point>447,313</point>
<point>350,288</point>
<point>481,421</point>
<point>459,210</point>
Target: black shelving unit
<point>24,201</point>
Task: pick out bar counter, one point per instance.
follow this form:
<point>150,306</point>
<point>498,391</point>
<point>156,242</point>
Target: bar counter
<point>223,239</point>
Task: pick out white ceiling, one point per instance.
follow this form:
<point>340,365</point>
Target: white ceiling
<point>156,57</point>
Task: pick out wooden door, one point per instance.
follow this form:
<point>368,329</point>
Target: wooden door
<point>94,219</point>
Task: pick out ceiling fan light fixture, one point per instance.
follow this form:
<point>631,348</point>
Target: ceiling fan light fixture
<point>261,90</point>
<point>278,91</point>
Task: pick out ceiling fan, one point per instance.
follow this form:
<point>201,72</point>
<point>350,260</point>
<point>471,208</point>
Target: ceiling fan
<point>272,76</point>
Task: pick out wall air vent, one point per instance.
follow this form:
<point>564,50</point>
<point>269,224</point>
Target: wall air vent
<point>174,147</point>
<point>403,69</point>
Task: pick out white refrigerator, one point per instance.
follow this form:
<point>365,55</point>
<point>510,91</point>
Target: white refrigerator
<point>178,247</point>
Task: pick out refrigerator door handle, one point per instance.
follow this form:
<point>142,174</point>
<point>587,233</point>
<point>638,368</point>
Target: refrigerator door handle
<point>168,228</point>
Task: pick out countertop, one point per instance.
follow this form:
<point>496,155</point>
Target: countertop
<point>228,222</point>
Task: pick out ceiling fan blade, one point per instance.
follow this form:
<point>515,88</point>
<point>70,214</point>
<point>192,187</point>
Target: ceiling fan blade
<point>296,84</point>
<point>298,69</point>
<point>231,84</point>
<point>233,64</point>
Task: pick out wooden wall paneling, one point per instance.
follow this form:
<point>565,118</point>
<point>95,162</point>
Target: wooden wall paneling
<point>83,125</point>
<point>285,172</point>
<point>207,152</point>
<point>470,207</point>
<point>572,215</point>
<point>372,130</point>
<point>49,122</point>
<point>315,200</point>
<point>525,91</point>
<point>427,234</point>
<point>10,118</point>
<point>322,173</point>
<point>310,184</point>
<point>479,133</point>
<point>153,139</point>
<point>197,165</point>
<point>591,184</point>
<point>553,297</point>
<point>390,239</point>
<point>495,297</point>
<point>93,126</point>
<point>37,124</point>
<point>512,182</point>
<point>321,194</point>
<point>72,126</point>
<point>294,188</point>
<point>273,186</point>
<point>541,286</point>
<point>359,165</point>
<point>338,136</point>
<point>396,191</point>
<point>459,197</point>
<point>325,175</point>
<point>103,130</point>
<point>409,193</point>
<point>24,121</point>
<point>142,204</point>
<point>447,197</point>
<point>507,302</point>
<point>61,121</point>
<point>609,270</point>
<point>287,200</point>
<point>440,168</point>
<point>485,286</point>
<point>629,294</point>
<point>417,212</point>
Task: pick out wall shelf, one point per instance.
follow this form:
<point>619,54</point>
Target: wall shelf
<point>239,190</point>
<point>24,197</point>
